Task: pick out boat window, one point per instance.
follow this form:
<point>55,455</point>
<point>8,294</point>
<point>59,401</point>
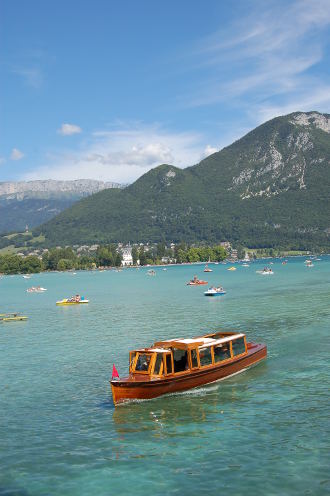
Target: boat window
<point>238,346</point>
<point>131,358</point>
<point>194,359</point>
<point>205,356</point>
<point>158,363</point>
<point>169,363</point>
<point>143,362</point>
<point>221,352</point>
<point>180,358</point>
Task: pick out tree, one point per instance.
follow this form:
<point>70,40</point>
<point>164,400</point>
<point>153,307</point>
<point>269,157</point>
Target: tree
<point>160,250</point>
<point>135,255</point>
<point>104,256</point>
<point>64,264</point>
<point>142,256</point>
<point>118,260</point>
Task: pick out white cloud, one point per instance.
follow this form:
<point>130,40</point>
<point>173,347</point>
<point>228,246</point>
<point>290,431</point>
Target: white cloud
<point>273,54</point>
<point>69,129</point>
<point>319,98</point>
<point>209,150</point>
<point>123,154</point>
<point>16,154</point>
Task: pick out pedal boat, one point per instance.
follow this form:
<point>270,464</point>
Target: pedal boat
<point>37,289</point>
<point>196,282</point>
<point>177,365</point>
<point>12,317</point>
<point>214,292</point>
<point>265,272</point>
<point>68,301</point>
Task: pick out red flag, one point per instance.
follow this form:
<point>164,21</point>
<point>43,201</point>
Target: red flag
<point>115,374</point>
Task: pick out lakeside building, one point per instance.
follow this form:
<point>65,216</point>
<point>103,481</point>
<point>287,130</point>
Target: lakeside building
<point>168,260</point>
<point>127,258</point>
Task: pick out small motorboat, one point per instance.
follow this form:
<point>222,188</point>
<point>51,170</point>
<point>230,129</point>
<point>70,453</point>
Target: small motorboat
<point>36,289</point>
<point>215,291</point>
<point>245,265</point>
<point>12,317</point>
<point>196,282</point>
<point>26,276</point>
<point>309,263</point>
<point>74,300</point>
<point>175,365</point>
<point>231,268</point>
<point>266,271</point>
<point>207,269</point>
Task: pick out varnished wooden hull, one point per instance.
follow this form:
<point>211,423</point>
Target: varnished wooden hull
<point>140,388</point>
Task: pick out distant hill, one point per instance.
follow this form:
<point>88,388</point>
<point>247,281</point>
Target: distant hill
<point>34,202</point>
<point>270,188</point>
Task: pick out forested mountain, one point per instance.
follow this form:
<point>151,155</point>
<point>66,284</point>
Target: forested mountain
<point>34,202</point>
<point>270,188</point>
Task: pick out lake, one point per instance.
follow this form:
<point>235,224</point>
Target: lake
<point>263,432</point>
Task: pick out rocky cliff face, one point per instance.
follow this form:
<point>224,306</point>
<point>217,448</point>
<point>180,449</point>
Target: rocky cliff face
<point>269,168</point>
<point>34,202</point>
<point>52,189</point>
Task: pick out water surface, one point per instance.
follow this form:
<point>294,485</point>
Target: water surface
<point>264,431</point>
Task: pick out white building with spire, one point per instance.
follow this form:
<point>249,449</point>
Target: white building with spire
<point>127,256</point>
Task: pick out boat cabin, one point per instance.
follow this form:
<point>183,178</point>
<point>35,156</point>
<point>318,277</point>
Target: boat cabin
<point>179,356</point>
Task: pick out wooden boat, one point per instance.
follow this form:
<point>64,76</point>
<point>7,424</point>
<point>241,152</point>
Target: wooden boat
<point>179,364</point>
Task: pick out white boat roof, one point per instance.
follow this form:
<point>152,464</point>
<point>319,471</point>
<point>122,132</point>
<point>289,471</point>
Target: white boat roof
<point>215,342</point>
<point>203,342</point>
<point>194,340</point>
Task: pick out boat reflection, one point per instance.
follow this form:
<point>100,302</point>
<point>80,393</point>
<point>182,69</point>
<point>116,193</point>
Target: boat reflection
<point>171,415</point>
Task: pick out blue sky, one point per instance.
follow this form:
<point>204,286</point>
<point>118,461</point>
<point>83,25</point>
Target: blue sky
<point>107,90</point>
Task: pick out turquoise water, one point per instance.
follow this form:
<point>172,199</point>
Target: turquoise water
<point>262,432</point>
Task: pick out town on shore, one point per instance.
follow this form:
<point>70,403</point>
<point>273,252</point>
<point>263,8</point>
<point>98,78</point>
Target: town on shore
<point>87,257</point>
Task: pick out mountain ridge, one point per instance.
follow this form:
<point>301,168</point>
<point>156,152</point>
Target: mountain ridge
<point>269,187</point>
<point>34,202</point>
<point>52,187</point>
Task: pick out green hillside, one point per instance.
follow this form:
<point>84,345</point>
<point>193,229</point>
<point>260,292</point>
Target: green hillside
<point>270,188</point>
<point>16,214</point>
